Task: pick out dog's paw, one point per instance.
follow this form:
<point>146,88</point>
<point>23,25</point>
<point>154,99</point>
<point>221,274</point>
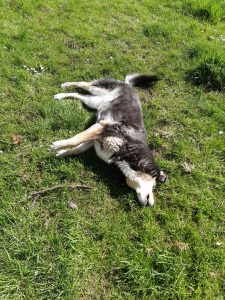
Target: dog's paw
<point>56,146</point>
<point>61,153</point>
<point>59,96</point>
<point>65,84</point>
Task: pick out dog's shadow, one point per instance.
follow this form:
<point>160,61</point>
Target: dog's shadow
<point>109,174</point>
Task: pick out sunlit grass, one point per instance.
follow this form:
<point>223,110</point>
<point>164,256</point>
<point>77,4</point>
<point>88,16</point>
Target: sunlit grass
<point>110,247</point>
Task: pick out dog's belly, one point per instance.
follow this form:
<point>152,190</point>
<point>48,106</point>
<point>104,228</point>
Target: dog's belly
<point>104,113</point>
<point>107,147</point>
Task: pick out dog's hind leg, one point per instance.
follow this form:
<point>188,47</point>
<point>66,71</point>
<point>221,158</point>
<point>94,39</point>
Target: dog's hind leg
<point>94,90</point>
<point>89,134</point>
<point>76,150</point>
<point>93,102</point>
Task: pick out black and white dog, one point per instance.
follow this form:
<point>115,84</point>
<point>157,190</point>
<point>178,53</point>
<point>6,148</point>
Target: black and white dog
<point>119,134</point>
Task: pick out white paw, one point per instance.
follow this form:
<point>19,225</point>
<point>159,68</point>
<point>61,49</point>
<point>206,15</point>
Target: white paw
<point>61,153</point>
<point>59,96</point>
<point>64,85</point>
<point>56,145</point>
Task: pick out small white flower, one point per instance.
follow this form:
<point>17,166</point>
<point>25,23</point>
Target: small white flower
<point>218,244</point>
<point>220,132</point>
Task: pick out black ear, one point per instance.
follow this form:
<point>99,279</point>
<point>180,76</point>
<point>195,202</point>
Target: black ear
<point>162,176</point>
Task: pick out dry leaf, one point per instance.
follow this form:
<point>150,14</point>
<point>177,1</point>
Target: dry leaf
<point>17,139</point>
<point>46,223</point>
<point>213,274</point>
<point>157,153</point>
<point>72,205</point>
<point>181,246</point>
<point>149,251</point>
<point>26,177</point>
<point>165,133</point>
<point>187,167</point>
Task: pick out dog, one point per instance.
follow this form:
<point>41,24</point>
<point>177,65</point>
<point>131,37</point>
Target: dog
<point>118,135</point>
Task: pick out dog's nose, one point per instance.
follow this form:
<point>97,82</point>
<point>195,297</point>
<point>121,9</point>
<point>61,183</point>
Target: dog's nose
<point>148,202</point>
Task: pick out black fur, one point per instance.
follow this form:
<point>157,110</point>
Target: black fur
<point>108,84</point>
<point>143,80</point>
<point>138,156</point>
<point>126,108</point>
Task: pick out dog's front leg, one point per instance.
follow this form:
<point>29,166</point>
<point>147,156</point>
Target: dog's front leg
<point>75,150</point>
<point>90,134</point>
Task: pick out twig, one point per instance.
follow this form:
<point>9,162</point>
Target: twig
<point>56,187</point>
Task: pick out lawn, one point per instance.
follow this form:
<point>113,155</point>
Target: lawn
<point>99,243</point>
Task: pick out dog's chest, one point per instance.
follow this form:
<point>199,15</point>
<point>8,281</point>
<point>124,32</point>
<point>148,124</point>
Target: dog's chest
<point>107,147</point>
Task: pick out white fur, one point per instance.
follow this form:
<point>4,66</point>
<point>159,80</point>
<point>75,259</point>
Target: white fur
<point>95,102</point>
<point>94,90</point>
<point>102,154</point>
<point>112,143</point>
<point>128,78</point>
<point>76,150</point>
<point>126,169</point>
<point>142,184</point>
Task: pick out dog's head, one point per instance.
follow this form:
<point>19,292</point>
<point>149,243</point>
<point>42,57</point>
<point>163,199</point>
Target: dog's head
<point>144,185</point>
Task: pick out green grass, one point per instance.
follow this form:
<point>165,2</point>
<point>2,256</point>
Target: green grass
<point>110,247</point>
<point>205,10</point>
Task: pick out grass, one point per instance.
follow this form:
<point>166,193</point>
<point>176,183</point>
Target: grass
<point>205,10</point>
<point>110,247</point>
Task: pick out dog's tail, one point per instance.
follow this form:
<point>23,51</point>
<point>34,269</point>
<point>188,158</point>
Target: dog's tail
<point>141,79</point>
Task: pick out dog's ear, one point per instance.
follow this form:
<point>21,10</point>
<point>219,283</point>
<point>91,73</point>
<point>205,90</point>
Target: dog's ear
<point>162,176</point>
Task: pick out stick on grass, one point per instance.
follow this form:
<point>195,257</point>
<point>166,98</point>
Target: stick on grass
<point>56,187</point>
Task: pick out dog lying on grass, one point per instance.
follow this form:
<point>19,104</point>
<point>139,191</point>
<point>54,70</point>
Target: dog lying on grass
<point>119,135</point>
